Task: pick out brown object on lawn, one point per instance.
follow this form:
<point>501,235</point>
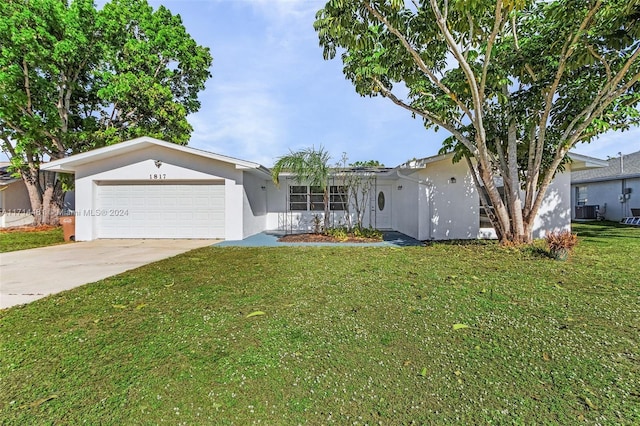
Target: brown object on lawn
<point>68,227</point>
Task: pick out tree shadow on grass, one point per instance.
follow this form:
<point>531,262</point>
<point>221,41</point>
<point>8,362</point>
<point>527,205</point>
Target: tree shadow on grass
<point>604,229</point>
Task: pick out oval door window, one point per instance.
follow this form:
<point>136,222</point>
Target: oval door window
<point>381,201</point>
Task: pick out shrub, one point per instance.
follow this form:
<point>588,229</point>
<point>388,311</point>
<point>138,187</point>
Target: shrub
<point>561,243</point>
<point>338,233</point>
<point>370,233</point>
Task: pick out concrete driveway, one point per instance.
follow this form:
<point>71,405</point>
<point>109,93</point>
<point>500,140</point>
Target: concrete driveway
<point>28,275</point>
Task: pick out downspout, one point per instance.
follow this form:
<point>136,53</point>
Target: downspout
<point>623,200</point>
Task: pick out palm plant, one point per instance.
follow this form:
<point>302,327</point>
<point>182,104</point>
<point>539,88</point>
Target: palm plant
<point>308,166</point>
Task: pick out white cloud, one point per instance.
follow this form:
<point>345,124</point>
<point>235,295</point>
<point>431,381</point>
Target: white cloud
<point>244,122</point>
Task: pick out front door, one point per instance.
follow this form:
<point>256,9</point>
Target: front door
<point>381,203</point>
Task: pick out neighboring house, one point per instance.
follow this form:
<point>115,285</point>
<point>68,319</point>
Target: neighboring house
<point>147,188</point>
<point>613,191</point>
<point>15,206</point>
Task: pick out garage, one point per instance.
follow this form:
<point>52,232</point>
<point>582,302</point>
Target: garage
<point>149,188</point>
<point>160,209</point>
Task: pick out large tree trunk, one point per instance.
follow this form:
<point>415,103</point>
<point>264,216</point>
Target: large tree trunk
<point>45,194</point>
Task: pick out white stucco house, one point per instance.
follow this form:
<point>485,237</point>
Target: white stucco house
<point>613,191</point>
<point>147,188</point>
<point>15,205</point>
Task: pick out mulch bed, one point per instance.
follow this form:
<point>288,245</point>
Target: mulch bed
<point>27,229</point>
<point>322,238</point>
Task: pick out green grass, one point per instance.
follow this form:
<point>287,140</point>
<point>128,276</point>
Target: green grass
<point>348,336</point>
<point>13,241</point>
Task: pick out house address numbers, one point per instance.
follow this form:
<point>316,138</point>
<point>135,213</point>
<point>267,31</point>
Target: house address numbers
<point>157,176</point>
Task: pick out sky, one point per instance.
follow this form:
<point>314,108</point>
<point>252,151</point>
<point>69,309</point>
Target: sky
<point>271,91</point>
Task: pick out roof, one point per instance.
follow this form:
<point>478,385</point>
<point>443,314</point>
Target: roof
<point>578,161</point>
<point>625,167</point>
<point>70,164</point>
<point>5,175</point>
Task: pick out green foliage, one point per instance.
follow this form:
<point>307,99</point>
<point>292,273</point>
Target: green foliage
<point>339,233</point>
<point>343,234</point>
<point>73,78</point>
<point>516,86</point>
<point>366,164</point>
<point>346,330</point>
<point>309,167</point>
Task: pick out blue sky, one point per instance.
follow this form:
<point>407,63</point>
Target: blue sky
<point>271,91</point>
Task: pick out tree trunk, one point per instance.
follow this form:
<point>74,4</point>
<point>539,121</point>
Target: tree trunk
<point>45,194</point>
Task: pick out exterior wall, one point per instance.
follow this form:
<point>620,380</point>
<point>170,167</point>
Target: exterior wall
<point>140,166</point>
<point>14,196</point>
<point>607,194</point>
<point>555,210</point>
<point>15,205</point>
<point>279,218</point>
<point>451,208</point>
<point>254,205</point>
<point>405,212</point>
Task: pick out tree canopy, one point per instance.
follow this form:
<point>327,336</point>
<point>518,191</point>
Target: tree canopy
<point>517,83</point>
<point>73,78</point>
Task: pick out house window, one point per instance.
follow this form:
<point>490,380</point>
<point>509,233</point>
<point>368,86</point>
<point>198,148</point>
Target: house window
<point>311,198</point>
<point>298,197</point>
<point>581,195</point>
<point>337,197</point>
<point>316,198</point>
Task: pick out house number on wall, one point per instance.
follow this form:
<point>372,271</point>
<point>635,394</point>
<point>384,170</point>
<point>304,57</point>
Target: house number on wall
<point>157,176</point>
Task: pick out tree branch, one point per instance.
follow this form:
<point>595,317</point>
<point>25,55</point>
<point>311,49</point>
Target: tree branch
<point>497,25</point>
<point>417,58</point>
<point>425,114</point>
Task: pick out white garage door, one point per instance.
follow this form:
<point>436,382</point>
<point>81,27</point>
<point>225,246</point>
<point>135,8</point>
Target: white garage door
<point>162,210</point>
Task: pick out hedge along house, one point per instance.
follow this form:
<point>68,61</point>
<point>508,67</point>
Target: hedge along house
<point>147,188</point>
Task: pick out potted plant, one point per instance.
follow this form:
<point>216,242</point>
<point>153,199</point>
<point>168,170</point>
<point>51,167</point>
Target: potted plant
<point>561,244</point>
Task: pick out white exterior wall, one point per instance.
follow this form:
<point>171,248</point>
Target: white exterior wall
<point>555,211</point>
<point>279,218</point>
<point>608,193</point>
<point>15,205</point>
<point>453,208</point>
<point>254,205</point>
<point>139,166</point>
<point>405,211</point>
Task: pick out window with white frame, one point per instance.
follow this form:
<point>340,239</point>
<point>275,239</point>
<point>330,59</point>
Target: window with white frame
<point>311,198</point>
<point>316,199</point>
<point>337,197</point>
<point>298,198</point>
<point>581,195</point>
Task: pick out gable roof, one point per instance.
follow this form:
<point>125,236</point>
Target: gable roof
<point>6,177</point>
<point>628,168</point>
<point>71,163</point>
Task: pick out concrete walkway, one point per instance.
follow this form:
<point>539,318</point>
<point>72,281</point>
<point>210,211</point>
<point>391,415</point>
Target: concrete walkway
<point>270,239</point>
<point>28,275</point>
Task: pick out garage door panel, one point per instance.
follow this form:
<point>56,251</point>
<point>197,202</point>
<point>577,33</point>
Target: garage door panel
<point>161,210</point>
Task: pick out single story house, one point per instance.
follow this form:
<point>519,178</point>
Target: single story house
<point>15,205</point>
<point>611,192</point>
<point>148,188</point>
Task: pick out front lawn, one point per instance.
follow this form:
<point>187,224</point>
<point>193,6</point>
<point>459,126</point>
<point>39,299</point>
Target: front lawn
<point>12,240</point>
<point>444,334</point>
